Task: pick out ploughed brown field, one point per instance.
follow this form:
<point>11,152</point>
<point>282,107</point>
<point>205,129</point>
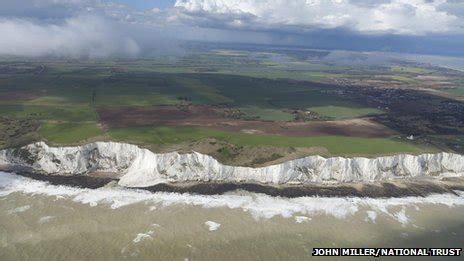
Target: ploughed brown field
<point>213,117</point>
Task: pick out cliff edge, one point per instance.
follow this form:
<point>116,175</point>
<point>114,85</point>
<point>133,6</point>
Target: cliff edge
<point>137,167</point>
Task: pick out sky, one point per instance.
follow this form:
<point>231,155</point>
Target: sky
<point>147,4</point>
<point>102,28</point>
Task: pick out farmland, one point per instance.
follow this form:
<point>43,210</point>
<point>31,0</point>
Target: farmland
<point>336,145</point>
<point>238,100</point>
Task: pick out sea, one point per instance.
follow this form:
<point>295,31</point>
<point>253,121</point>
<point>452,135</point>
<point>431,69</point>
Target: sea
<point>41,221</point>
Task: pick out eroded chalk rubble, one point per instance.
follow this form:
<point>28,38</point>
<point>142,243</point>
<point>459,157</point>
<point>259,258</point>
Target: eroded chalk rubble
<point>137,167</point>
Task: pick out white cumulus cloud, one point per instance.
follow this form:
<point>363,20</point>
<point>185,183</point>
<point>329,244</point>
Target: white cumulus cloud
<point>408,17</point>
<point>101,28</point>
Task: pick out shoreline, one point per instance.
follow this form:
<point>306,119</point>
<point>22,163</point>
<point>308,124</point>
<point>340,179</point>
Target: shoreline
<point>108,164</point>
<point>384,189</point>
<point>137,167</point>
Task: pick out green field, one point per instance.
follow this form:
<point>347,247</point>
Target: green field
<point>399,78</point>
<point>410,69</point>
<point>267,114</point>
<point>456,91</point>
<point>207,94</point>
<point>336,145</point>
<point>49,112</point>
<point>146,99</point>
<point>339,112</point>
<point>69,133</point>
<point>64,104</point>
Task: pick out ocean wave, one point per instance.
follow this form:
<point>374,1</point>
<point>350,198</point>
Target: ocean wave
<point>212,226</point>
<point>260,206</point>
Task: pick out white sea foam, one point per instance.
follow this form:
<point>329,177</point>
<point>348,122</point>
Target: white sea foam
<point>258,205</point>
<point>142,236</point>
<point>402,217</point>
<point>19,209</point>
<point>371,216</point>
<point>301,219</point>
<point>45,219</point>
<point>212,226</point>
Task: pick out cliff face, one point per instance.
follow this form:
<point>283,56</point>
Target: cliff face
<point>138,167</point>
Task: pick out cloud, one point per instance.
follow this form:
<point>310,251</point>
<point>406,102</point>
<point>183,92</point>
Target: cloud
<point>102,28</point>
<point>98,29</point>
<point>88,36</point>
<point>44,9</point>
<point>79,28</point>
<point>402,17</point>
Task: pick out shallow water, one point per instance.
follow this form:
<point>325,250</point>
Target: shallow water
<point>39,221</point>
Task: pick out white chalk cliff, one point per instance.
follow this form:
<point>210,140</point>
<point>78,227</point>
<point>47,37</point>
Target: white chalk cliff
<point>139,167</point>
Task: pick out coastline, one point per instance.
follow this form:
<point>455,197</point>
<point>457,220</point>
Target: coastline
<point>99,164</point>
<point>384,189</point>
<point>136,167</point>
